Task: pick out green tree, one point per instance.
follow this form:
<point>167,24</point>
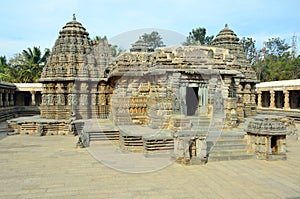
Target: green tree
<point>3,64</point>
<point>154,40</point>
<point>249,48</point>
<point>99,38</point>
<point>274,62</point>
<point>32,63</point>
<point>3,68</point>
<point>26,66</point>
<point>198,37</point>
<point>277,46</point>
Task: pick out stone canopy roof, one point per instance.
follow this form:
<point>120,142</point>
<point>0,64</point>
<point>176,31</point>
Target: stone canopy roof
<point>139,46</point>
<point>226,36</point>
<point>69,51</point>
<point>280,84</point>
<point>74,28</point>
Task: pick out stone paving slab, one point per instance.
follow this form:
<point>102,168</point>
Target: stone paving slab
<point>51,167</point>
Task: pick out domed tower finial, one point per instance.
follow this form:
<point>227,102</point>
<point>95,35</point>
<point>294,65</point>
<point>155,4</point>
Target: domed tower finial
<point>74,18</point>
<point>226,25</point>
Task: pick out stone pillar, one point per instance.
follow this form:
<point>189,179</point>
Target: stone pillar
<point>1,100</point>
<point>32,98</point>
<point>183,100</point>
<point>286,100</point>
<point>269,149</point>
<point>259,104</point>
<point>201,148</point>
<point>200,95</point>
<point>272,99</point>
<point>204,100</point>
<point>6,102</point>
<point>12,102</point>
<point>226,87</point>
<point>282,144</point>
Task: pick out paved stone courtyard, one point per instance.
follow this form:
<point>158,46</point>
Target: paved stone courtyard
<point>51,167</point>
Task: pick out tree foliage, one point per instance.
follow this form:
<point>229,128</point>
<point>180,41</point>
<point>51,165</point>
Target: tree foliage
<point>277,47</point>
<point>154,40</point>
<point>198,37</point>
<point>275,62</point>
<point>249,48</point>
<point>24,67</point>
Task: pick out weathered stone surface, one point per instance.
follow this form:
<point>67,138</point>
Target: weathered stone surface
<point>266,137</point>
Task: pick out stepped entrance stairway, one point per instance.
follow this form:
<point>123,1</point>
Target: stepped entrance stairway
<point>221,144</point>
<point>100,129</point>
<point>229,146</point>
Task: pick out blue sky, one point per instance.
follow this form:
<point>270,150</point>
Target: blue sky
<point>37,22</point>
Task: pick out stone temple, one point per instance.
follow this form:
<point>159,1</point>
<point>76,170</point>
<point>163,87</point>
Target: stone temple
<point>175,99</point>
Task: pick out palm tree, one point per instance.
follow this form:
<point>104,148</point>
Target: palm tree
<point>32,63</point>
<point>4,69</point>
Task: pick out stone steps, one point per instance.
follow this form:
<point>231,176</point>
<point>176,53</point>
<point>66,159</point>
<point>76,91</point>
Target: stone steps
<point>227,152</point>
<point>103,135</point>
<point>232,157</point>
<point>229,146</point>
<point>151,145</point>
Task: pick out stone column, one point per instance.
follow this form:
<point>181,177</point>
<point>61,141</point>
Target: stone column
<point>272,99</point>
<point>1,100</point>
<point>226,87</point>
<point>12,102</point>
<point>269,149</point>
<point>44,99</point>
<point>6,102</point>
<point>200,95</point>
<point>32,98</point>
<point>282,144</point>
<point>286,100</point>
<point>259,104</point>
<point>183,100</point>
<point>201,148</point>
<point>204,108</point>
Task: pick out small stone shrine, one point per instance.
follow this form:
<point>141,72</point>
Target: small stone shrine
<point>266,137</point>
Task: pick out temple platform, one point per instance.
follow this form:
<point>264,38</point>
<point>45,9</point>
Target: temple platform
<point>134,138</point>
<point>35,125</point>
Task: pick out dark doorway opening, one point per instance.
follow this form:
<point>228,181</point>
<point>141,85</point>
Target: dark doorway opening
<point>274,144</point>
<point>27,100</point>
<point>192,100</point>
<point>294,99</point>
<point>265,95</point>
<point>279,99</point>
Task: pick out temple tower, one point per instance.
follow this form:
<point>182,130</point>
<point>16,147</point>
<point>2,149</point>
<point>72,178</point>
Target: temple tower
<point>241,87</point>
<point>64,64</point>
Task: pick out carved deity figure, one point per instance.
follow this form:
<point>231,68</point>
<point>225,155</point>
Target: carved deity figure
<point>102,99</point>
<point>74,99</point>
<point>70,99</point>
<point>175,104</point>
<point>60,70</point>
<point>83,99</point>
<point>44,99</point>
<point>94,99</point>
<point>60,99</point>
<point>51,99</point>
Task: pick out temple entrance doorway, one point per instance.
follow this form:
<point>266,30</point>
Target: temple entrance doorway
<point>192,100</point>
